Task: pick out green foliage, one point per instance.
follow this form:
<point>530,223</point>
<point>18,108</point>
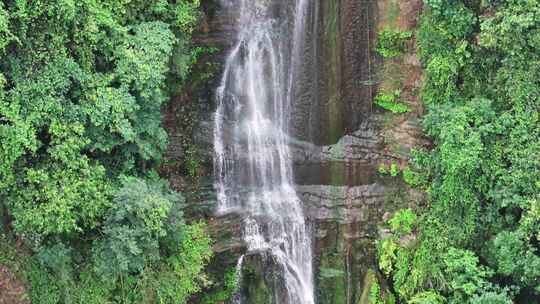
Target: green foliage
<point>228,288</point>
<point>146,254</point>
<point>491,297</point>
<point>478,234</point>
<point>136,223</point>
<point>375,294</point>
<point>403,222</point>
<point>387,252</point>
<point>82,84</point>
<point>382,169</point>
<point>44,288</point>
<point>413,178</point>
<point>389,102</point>
<point>516,256</point>
<point>465,277</point>
<point>394,170</point>
<point>186,14</point>
<point>391,43</point>
<point>183,273</point>
<point>427,297</point>
<point>92,289</point>
<point>80,104</point>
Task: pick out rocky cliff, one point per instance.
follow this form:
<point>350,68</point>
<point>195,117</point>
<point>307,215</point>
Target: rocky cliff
<point>341,140</point>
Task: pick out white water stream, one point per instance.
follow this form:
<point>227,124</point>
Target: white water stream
<point>253,166</point>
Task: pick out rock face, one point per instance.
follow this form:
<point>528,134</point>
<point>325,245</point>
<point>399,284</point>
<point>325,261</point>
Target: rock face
<point>340,140</point>
<point>334,91</point>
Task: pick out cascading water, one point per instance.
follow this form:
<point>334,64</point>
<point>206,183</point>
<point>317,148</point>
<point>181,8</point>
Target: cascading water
<point>253,165</point>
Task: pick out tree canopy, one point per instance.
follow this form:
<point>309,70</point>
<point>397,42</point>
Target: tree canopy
<point>82,84</point>
<point>477,240</point>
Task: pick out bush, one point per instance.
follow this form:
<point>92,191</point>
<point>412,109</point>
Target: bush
<point>388,101</point>
<point>412,178</point>
<point>392,43</point>
<point>403,222</point>
<point>134,227</point>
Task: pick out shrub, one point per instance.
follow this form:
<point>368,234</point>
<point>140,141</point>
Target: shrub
<point>412,178</point>
<point>135,225</point>
<point>403,222</point>
<point>391,43</point>
<point>388,101</point>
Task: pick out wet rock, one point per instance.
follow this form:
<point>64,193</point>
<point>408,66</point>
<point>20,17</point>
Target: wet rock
<point>336,84</point>
<point>258,280</point>
<point>226,232</point>
<point>343,204</point>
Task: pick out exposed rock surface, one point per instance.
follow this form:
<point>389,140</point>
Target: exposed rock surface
<point>342,204</point>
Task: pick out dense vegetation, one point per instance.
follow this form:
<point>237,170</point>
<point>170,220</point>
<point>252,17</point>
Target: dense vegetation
<point>85,218</point>
<point>82,83</point>
<point>478,238</point>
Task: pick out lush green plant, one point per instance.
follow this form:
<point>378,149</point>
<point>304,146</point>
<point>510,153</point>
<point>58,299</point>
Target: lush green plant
<point>413,178</point>
<point>394,170</point>
<point>183,274</point>
<point>82,84</point>
<point>389,102</point>
<point>403,222</point>
<point>391,43</point>
<point>382,169</point>
<point>477,235</point>
<point>227,288</point>
<point>387,251</point>
<point>375,294</point>
<point>136,223</point>
<point>427,297</point>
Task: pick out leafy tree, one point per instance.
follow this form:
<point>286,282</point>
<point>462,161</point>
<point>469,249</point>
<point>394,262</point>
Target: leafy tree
<point>82,84</point>
<point>133,229</point>
<point>82,87</point>
<point>477,237</point>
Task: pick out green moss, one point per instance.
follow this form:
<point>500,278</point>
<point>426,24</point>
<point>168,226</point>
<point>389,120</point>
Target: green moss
<point>332,279</point>
<point>257,291</point>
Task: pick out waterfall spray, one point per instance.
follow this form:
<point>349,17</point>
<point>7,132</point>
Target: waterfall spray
<point>253,165</point>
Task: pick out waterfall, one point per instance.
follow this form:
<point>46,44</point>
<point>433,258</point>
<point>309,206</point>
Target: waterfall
<point>253,165</point>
